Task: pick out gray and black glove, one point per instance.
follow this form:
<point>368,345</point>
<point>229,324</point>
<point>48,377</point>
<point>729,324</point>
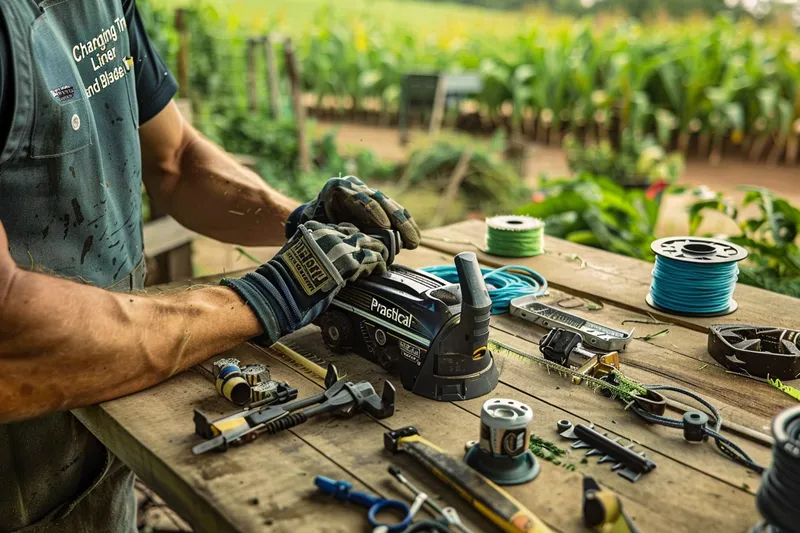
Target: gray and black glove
<point>349,200</point>
<point>297,285</point>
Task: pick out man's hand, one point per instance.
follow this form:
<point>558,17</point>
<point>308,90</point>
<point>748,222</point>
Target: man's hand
<point>349,200</point>
<point>299,283</point>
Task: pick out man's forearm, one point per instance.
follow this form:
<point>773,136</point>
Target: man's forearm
<point>205,189</point>
<point>103,344</point>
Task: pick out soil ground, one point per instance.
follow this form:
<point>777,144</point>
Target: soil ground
<point>212,257</point>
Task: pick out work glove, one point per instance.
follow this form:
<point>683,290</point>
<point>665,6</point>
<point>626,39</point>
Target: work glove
<point>297,285</point>
<point>349,200</point>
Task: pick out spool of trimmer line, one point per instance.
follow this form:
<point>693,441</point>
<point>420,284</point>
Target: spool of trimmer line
<point>695,276</point>
<point>514,236</point>
<point>502,453</point>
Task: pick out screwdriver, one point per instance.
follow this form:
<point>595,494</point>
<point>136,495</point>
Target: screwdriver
<point>449,514</point>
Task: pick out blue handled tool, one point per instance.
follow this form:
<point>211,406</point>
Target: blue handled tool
<point>343,490</point>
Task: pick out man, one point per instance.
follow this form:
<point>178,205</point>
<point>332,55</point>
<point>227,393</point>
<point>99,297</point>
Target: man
<point>86,115</point>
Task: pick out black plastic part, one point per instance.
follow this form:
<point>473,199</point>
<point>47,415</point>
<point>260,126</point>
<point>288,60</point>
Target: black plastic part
<point>337,331</point>
<point>694,425</point>
<point>202,424</point>
<point>632,460</point>
<point>434,334</point>
<point>503,469</point>
<point>760,351</point>
<point>240,394</point>
<point>563,425</point>
<point>391,438</point>
<point>289,421</point>
<point>594,512</point>
<point>558,344</point>
<point>776,498</point>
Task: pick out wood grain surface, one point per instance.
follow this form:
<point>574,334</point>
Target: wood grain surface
<point>268,485</point>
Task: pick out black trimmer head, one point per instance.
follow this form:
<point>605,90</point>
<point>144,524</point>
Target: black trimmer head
<point>431,333</point>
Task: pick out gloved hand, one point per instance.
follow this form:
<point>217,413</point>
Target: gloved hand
<point>349,200</point>
<point>297,285</point>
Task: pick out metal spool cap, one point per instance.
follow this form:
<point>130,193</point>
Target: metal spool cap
<point>697,250</point>
<point>514,223</point>
<point>502,454</point>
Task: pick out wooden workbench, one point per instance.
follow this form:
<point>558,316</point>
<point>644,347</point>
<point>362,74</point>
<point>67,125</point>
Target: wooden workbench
<point>268,485</point>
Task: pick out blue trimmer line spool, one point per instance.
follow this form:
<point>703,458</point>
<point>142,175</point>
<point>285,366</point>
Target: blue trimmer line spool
<point>695,276</point>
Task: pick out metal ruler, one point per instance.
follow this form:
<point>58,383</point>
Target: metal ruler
<point>594,335</point>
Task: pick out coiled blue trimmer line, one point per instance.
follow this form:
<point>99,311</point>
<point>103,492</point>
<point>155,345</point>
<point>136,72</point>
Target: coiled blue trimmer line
<point>695,276</point>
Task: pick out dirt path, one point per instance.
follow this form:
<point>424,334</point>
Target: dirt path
<point>212,257</point>
<point>550,160</point>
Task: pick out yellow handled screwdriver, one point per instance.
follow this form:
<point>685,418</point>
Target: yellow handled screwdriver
<point>490,500</point>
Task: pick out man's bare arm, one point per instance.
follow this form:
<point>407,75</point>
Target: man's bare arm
<point>205,189</point>
<point>100,345</point>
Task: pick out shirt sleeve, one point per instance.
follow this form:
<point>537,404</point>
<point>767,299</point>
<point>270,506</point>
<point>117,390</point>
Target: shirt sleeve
<point>155,85</point>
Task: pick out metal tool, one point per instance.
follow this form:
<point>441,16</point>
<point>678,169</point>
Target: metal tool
<point>487,498</point>
<point>593,334</point>
<point>502,453</point>
<point>449,514</point>
<point>255,374</point>
<point>343,490</point>
<point>565,348</point>
<point>343,398</point>
<point>208,428</point>
<point>760,351</point>
<point>603,511</point>
<point>612,385</point>
<point>627,463</point>
<point>431,333</point>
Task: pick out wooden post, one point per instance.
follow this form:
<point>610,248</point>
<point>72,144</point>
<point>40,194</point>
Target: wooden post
<point>183,52</point>
<point>252,98</point>
<point>272,77</point>
<point>297,104</point>
<point>451,191</point>
<point>439,100</point>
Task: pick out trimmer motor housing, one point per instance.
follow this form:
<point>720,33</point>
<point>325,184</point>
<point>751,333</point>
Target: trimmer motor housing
<point>431,333</point>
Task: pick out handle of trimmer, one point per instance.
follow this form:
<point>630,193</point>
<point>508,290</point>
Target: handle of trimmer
<point>389,237</point>
<point>476,306</point>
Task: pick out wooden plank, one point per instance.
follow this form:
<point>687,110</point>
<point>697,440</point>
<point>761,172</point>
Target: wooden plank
<point>625,281</point>
<point>152,432</point>
<point>252,94</point>
<point>165,234</point>
<point>437,111</point>
<point>556,487</point>
<point>694,488</point>
<point>453,186</point>
<point>293,68</point>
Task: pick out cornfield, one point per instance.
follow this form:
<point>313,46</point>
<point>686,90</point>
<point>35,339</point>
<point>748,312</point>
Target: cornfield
<point>704,87</point>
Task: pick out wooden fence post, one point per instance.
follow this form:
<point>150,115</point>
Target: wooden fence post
<point>252,96</point>
<point>293,68</point>
<point>439,101</point>
<point>272,77</point>
<point>183,52</point>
